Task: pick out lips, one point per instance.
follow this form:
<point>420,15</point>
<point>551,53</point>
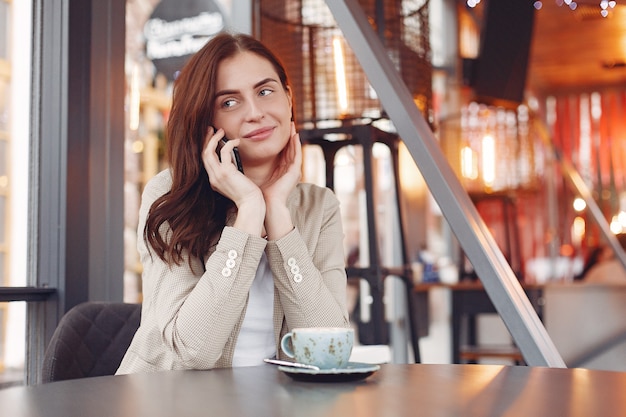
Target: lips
<point>260,134</point>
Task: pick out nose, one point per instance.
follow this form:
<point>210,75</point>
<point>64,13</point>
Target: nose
<point>255,111</point>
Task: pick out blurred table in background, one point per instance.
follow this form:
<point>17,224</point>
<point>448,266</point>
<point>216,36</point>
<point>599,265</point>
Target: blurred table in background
<point>585,321</point>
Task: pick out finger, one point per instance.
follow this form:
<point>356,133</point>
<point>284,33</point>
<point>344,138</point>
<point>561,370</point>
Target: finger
<point>226,152</point>
<point>231,144</point>
<point>209,157</point>
<point>211,140</point>
<point>209,133</point>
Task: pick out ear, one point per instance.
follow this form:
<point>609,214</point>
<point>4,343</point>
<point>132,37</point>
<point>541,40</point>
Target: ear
<point>290,97</point>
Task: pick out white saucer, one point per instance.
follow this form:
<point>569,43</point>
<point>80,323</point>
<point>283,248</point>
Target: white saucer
<point>352,372</point>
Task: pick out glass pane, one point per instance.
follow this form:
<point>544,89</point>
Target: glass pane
<point>4,105</point>
<point>3,215</point>
<point>12,343</point>
<point>15,60</point>
<point>4,161</point>
<point>4,29</point>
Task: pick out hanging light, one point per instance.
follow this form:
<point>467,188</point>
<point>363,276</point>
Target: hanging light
<point>469,163</point>
<point>340,76</point>
<point>615,225</point>
<point>605,5</point>
<point>578,231</point>
<point>489,160</point>
<point>579,204</point>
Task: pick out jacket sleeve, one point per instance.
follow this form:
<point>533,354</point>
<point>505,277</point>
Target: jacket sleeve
<point>196,309</point>
<point>309,266</point>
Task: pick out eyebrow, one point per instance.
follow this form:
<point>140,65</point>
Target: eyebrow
<point>260,83</point>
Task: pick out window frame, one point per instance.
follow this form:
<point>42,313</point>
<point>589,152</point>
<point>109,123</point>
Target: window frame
<point>75,232</point>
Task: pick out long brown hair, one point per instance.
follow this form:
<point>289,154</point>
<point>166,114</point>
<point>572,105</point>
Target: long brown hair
<point>194,213</point>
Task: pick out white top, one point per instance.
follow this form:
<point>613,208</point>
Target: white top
<point>256,336</point>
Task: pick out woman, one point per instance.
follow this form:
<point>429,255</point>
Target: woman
<point>231,261</point>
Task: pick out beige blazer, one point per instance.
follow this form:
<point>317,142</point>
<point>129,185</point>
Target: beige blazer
<point>190,319</point>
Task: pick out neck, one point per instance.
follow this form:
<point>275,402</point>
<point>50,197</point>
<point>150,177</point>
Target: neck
<point>259,173</point>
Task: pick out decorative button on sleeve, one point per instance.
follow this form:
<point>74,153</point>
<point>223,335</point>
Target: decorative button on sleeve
<point>295,269</point>
<point>230,263</point>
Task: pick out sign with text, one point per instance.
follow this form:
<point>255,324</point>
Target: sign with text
<point>179,28</point>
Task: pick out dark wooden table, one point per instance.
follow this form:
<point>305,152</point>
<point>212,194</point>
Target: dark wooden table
<point>469,300</point>
<point>394,391</point>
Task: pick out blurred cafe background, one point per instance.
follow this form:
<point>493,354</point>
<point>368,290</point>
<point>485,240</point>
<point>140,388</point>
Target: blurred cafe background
<point>523,97</point>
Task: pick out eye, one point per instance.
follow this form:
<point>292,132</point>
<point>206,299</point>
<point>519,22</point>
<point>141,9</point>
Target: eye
<point>266,92</point>
<point>228,103</point>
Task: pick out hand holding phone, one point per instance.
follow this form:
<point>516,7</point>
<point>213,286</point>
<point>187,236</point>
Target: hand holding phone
<point>234,154</point>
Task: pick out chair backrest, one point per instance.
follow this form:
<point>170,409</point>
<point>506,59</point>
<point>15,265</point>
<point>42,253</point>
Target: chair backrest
<point>90,340</point>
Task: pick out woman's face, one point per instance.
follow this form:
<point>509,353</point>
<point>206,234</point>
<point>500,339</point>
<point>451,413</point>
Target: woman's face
<point>252,105</point>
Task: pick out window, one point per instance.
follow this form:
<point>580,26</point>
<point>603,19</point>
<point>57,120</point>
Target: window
<point>73,201</point>
<point>15,47</point>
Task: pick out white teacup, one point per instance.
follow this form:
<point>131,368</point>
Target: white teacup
<point>324,347</point>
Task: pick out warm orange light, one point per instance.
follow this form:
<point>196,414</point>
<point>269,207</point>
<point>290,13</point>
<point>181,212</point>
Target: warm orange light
<point>578,231</point>
<point>621,217</point>
<point>469,163</point>
<point>616,226</point>
<point>469,36</point>
<point>579,204</point>
<point>411,179</point>
<point>489,160</point>
<point>340,76</point>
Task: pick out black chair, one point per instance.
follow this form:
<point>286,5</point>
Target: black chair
<point>90,340</point>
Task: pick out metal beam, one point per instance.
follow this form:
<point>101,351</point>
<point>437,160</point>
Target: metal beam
<point>498,278</point>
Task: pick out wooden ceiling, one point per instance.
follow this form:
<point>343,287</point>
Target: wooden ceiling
<point>577,50</point>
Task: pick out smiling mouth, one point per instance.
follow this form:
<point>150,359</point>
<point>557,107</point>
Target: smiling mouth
<point>260,133</point>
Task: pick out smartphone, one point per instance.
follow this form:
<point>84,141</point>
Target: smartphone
<point>234,154</point>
